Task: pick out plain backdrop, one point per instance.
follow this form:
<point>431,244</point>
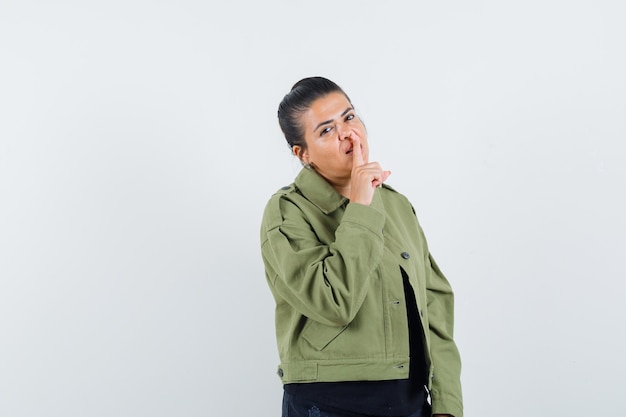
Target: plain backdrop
<point>139,145</point>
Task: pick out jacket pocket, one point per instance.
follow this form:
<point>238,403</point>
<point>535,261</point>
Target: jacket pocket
<point>319,335</point>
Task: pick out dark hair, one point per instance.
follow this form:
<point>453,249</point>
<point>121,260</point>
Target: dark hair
<point>297,101</point>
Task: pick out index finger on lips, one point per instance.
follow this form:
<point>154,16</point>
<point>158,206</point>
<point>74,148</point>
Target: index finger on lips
<point>357,153</point>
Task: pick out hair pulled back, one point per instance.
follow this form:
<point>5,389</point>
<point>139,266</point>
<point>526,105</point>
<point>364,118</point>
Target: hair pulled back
<point>298,101</point>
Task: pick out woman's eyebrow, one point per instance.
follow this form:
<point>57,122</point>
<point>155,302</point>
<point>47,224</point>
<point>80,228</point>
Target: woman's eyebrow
<point>330,121</point>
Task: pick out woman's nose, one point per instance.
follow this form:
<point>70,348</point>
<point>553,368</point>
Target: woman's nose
<point>344,132</point>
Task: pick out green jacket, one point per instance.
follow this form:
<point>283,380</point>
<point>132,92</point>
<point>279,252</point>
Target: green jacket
<point>334,270</point>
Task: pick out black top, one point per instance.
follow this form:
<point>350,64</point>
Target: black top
<point>397,397</point>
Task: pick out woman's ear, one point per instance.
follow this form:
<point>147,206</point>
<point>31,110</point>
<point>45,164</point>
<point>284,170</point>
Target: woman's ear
<point>300,153</point>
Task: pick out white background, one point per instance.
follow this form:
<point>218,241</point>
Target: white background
<point>139,144</point>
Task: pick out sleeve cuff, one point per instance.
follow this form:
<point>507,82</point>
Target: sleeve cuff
<point>365,216</point>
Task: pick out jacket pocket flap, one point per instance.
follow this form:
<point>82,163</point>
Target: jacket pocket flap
<point>320,335</point>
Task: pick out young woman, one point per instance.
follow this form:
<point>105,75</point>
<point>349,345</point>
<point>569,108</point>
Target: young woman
<point>364,316</point>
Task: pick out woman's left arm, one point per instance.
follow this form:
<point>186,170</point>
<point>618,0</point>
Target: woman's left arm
<point>446,379</point>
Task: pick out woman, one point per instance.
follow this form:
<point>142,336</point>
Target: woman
<point>364,316</point>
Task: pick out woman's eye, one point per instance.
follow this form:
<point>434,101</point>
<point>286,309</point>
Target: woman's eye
<point>349,117</point>
<point>325,131</point>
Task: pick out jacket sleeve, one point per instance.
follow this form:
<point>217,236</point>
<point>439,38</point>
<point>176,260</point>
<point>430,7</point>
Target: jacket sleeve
<point>326,282</point>
<point>445,384</point>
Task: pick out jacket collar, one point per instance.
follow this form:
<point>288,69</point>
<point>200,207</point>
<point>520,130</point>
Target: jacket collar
<point>318,191</point>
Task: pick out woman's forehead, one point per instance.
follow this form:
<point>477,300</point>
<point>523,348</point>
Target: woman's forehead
<point>328,107</point>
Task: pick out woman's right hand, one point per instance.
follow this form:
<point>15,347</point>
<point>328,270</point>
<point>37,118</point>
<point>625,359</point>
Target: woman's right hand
<point>365,177</point>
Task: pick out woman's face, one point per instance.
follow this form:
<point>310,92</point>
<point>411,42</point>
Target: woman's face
<point>330,128</point>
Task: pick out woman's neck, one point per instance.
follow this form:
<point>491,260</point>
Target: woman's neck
<point>343,190</point>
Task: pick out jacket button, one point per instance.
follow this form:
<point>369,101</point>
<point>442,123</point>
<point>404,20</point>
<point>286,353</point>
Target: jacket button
<point>405,255</point>
<point>280,372</point>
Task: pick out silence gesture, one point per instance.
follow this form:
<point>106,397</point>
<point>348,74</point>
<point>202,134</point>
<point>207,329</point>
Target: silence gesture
<point>366,176</point>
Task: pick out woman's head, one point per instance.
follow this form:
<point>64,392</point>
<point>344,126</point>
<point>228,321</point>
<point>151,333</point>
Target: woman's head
<point>297,102</point>
<point>322,128</point>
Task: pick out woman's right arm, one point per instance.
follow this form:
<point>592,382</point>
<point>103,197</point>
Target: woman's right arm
<point>326,282</point>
